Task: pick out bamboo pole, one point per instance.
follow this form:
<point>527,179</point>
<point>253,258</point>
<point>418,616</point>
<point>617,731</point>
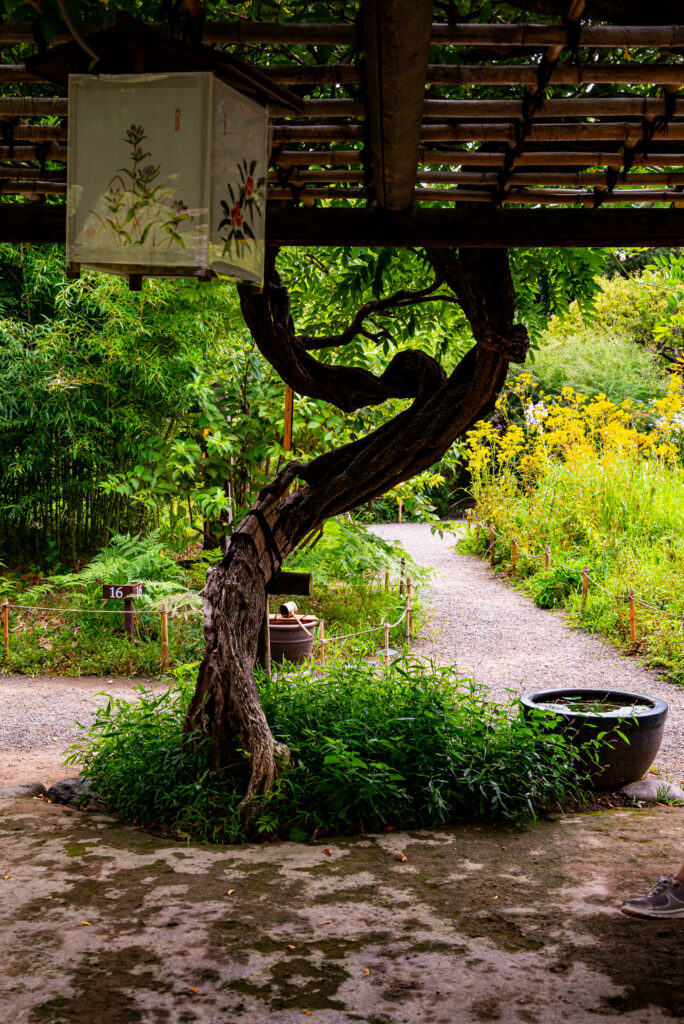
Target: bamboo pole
<point>585,588</point>
<point>386,627</point>
<point>387,579</point>
<point>400,508</point>
<point>5,625</point>
<point>514,554</point>
<point>408,620</point>
<point>632,616</point>
<point>164,638</point>
<point>547,557</point>
<point>409,595</point>
<point>491,546</point>
<point>402,575</point>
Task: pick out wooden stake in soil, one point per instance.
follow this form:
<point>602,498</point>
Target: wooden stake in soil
<point>547,557</point>
<point>408,620</point>
<point>164,638</point>
<point>401,507</point>
<point>491,546</point>
<point>632,616</point>
<point>289,409</point>
<point>387,579</point>
<point>477,531</point>
<point>402,575</point>
<point>514,554</point>
<point>409,617</point>
<point>5,624</point>
<point>387,632</point>
<point>585,587</point>
<point>469,518</point>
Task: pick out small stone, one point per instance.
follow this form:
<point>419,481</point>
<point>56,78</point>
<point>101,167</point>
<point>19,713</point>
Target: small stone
<point>75,791</point>
<point>654,789</point>
<point>22,789</point>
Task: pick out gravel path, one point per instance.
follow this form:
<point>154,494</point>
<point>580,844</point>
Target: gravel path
<point>38,716</point>
<point>504,641</point>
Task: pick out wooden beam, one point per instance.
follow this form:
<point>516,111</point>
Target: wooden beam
<point>471,34</point>
<point>488,227</point>
<point>579,131</point>
<point>634,73</point>
<point>396,46</point>
<point>319,157</point>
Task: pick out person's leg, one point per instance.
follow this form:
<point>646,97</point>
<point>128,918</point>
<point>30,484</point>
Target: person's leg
<point>666,899</point>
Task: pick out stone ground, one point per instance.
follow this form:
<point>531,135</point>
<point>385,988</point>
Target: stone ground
<point>102,923</point>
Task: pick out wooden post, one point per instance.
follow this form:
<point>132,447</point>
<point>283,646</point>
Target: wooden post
<point>514,554</point>
<point>477,532</point>
<point>585,587</point>
<point>387,579</point>
<point>289,410</point>
<point>402,575</point>
<point>491,546</point>
<point>387,632</point>
<point>164,638</point>
<point>401,505</point>
<point>5,624</point>
<point>321,639</point>
<point>469,518</point>
<point>409,595</point>
<point>265,642</point>
<point>547,557</point>
<point>632,615</point>
<point>408,619</point>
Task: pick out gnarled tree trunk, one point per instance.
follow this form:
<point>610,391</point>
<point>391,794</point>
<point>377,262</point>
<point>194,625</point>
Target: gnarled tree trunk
<point>226,703</point>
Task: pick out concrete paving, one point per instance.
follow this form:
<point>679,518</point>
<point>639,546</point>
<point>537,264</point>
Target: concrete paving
<point>101,923</point>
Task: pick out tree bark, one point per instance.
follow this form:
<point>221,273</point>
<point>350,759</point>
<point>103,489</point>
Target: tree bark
<point>226,705</point>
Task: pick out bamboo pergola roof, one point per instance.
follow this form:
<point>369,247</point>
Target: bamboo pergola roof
<point>566,132</point>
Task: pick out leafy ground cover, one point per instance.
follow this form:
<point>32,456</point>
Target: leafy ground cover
<point>602,485</point>
<point>410,746</point>
<point>349,566</point>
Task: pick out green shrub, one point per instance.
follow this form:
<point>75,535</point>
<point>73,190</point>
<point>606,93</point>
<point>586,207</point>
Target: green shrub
<point>413,746</point>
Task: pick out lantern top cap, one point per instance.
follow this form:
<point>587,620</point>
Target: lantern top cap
<point>129,47</point>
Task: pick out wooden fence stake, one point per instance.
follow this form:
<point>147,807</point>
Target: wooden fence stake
<point>387,579</point>
<point>5,624</point>
<point>632,616</point>
<point>387,632</point>
<point>322,640</point>
<point>477,531</point>
<point>585,587</point>
<point>164,638</point>
<point>469,518</point>
<point>547,557</point>
<point>402,576</point>
<point>409,595</point>
<point>491,546</point>
<point>287,427</point>
<point>514,554</point>
<point>401,507</point>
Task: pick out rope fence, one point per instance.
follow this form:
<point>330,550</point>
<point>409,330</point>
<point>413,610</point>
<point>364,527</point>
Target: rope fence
<point>547,559</point>
<point>405,586</point>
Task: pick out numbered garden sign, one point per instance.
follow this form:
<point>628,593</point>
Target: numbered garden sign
<point>125,592</point>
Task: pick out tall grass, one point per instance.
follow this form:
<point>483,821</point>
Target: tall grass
<point>624,517</point>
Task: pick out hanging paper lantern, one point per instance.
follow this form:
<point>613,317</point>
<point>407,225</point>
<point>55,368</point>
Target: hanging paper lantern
<point>166,176</point>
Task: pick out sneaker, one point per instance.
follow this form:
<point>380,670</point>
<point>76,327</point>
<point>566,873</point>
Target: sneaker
<point>666,899</point>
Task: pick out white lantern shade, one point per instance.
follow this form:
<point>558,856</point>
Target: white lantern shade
<point>152,159</point>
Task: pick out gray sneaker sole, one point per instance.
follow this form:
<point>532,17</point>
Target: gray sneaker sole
<point>657,914</point>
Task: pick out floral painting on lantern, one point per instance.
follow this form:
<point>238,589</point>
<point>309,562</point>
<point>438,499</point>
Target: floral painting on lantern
<point>243,213</point>
<point>140,208</point>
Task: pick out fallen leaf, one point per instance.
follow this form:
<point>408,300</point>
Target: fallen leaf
<point>366,973</point>
<point>193,990</point>
<point>308,1013</point>
<point>327,851</point>
<point>496,897</point>
<point>325,922</point>
<point>291,947</point>
<point>230,892</point>
<point>85,922</point>
<point>401,857</point>
<point>5,877</point>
